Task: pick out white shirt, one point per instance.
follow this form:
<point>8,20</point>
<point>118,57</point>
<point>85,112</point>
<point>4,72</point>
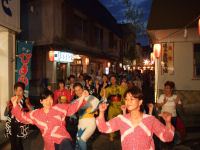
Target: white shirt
<point>170,105</point>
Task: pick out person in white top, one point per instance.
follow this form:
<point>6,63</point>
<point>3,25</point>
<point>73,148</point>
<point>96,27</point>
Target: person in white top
<point>168,101</point>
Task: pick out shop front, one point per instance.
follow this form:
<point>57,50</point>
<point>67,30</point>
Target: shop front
<point>62,64</point>
<point>9,26</point>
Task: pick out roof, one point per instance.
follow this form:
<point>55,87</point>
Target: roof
<point>170,14</point>
<point>96,11</point>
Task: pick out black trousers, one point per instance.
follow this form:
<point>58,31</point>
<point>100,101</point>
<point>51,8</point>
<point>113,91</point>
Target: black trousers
<point>64,145</point>
<point>16,143</point>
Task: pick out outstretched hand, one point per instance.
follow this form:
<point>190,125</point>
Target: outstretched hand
<point>103,107</point>
<point>166,116</point>
<point>14,100</point>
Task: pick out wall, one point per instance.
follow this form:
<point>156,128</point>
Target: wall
<point>7,51</point>
<point>183,57</point>
<point>37,22</point>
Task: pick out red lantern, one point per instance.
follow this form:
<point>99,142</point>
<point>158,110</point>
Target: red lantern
<point>152,57</point>
<point>199,26</point>
<point>108,64</point>
<point>51,55</point>
<point>157,50</point>
<point>87,61</point>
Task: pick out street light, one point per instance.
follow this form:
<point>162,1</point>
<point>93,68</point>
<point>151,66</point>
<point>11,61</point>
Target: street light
<point>157,53</point>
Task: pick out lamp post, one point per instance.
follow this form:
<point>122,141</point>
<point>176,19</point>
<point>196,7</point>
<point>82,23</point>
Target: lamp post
<point>157,53</point>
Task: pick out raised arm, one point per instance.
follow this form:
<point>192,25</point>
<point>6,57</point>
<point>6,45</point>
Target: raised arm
<point>103,126</point>
<point>24,117</point>
<point>164,132</point>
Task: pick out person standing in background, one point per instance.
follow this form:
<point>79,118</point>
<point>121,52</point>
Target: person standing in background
<point>14,129</point>
<point>63,95</point>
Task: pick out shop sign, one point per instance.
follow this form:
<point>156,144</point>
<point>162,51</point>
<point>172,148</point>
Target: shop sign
<point>63,57</point>
<point>10,14</point>
<point>167,62</point>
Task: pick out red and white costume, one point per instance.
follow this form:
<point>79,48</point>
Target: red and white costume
<point>139,137</point>
<point>51,124</point>
<point>59,93</point>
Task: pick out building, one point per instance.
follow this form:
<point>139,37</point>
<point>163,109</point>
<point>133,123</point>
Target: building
<point>83,31</point>
<point>9,27</point>
<point>174,25</point>
<point>128,46</point>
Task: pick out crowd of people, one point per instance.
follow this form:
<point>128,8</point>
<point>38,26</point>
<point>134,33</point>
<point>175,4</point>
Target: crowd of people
<point>110,103</point>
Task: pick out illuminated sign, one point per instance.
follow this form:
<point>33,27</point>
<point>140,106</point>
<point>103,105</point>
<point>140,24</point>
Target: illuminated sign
<point>63,57</point>
<point>107,70</point>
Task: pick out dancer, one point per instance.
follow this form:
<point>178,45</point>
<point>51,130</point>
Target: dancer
<point>87,123</point>
<point>50,119</point>
<point>16,130</point>
<point>114,94</point>
<point>136,128</point>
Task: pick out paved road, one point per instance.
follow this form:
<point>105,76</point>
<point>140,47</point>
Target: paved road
<point>101,142</point>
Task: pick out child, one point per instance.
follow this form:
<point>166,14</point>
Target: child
<point>16,130</point>
<point>136,128</point>
<point>50,119</point>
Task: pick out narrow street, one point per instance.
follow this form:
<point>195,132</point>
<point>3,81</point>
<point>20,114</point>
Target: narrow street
<point>35,142</point>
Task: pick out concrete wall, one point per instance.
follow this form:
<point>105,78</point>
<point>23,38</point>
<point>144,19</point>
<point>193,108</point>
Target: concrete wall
<point>7,59</point>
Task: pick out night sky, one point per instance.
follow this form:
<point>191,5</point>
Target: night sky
<point>116,8</point>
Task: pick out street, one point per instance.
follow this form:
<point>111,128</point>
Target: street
<point>35,142</point>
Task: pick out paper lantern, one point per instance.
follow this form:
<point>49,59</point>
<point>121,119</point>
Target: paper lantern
<point>157,50</point>
<point>152,57</point>
<point>87,61</point>
<point>51,55</point>
<point>199,26</point>
<point>108,64</point>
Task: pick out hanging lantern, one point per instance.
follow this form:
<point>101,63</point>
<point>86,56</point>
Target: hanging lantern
<point>51,55</point>
<point>87,61</point>
<point>120,65</point>
<point>199,26</point>
<point>157,50</point>
<point>152,57</point>
<point>108,64</point>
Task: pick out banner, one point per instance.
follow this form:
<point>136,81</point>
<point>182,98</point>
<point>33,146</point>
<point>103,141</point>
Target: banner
<point>23,63</point>
<point>167,63</point>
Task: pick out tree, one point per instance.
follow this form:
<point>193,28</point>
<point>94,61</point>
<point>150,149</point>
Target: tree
<point>133,15</point>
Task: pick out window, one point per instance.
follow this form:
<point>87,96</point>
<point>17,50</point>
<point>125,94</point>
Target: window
<point>80,28</point>
<point>98,36</point>
<point>197,60</point>
<point>111,40</point>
